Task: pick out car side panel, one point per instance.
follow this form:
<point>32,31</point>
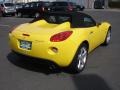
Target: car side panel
<point>104,27</point>
<point>93,36</point>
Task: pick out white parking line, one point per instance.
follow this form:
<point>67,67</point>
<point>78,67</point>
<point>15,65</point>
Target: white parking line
<point>3,25</point>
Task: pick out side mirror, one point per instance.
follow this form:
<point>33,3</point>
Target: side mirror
<point>98,24</point>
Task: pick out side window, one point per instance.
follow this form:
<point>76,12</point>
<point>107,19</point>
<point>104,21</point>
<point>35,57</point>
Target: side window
<point>39,4</point>
<point>33,5</point>
<point>88,21</point>
<point>27,5</point>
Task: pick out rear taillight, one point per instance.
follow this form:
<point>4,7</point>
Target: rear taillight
<point>60,36</point>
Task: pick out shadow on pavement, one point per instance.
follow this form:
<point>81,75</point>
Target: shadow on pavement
<point>90,82</point>
<point>35,65</point>
<point>81,81</point>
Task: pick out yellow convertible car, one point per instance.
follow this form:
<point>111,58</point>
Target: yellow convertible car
<point>64,38</point>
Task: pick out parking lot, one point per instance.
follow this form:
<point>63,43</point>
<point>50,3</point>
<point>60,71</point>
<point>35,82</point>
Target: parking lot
<point>102,71</point>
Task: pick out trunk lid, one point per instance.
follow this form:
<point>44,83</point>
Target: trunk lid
<point>40,30</point>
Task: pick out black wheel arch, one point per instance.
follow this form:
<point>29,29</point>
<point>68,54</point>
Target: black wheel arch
<point>85,43</point>
<point>109,27</point>
<point>70,67</point>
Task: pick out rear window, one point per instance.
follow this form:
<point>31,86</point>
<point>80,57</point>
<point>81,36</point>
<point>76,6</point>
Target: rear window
<point>43,4</point>
<point>59,4</point>
<point>9,4</point>
<point>56,19</point>
<point>39,4</point>
<point>27,5</point>
<point>46,4</point>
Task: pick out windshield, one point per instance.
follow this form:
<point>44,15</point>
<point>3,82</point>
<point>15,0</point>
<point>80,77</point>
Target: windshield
<point>59,4</point>
<point>46,3</point>
<point>9,4</point>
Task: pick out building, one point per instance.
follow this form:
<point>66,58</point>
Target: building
<point>30,0</point>
<point>25,1</point>
<point>87,3</point>
<point>114,3</point>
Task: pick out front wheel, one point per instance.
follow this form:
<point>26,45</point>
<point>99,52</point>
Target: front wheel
<point>80,59</point>
<point>3,14</point>
<point>19,14</point>
<point>108,38</point>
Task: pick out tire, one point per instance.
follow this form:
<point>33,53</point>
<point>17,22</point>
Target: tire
<point>108,38</point>
<point>19,14</point>
<point>80,59</point>
<point>13,14</point>
<point>37,14</point>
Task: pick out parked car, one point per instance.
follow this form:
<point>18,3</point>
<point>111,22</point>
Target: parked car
<point>32,9</point>
<point>65,6</point>
<point>0,11</point>
<point>7,9</point>
<point>19,5</point>
<point>99,4</point>
<point>64,38</point>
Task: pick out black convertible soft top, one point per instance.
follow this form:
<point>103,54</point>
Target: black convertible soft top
<point>75,18</point>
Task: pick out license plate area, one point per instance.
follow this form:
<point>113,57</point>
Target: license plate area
<point>25,44</point>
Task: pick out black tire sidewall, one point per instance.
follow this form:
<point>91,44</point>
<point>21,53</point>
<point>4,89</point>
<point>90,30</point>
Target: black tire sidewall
<point>74,65</point>
<point>19,14</point>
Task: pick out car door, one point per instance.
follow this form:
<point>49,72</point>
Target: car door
<point>33,8</point>
<point>94,33</point>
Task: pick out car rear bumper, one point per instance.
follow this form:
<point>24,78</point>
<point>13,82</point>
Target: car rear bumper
<point>61,53</point>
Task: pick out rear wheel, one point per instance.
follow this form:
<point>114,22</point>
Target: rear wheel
<point>19,14</point>
<point>37,14</point>
<point>13,14</point>
<point>80,59</point>
<point>108,37</point>
<point>3,14</point>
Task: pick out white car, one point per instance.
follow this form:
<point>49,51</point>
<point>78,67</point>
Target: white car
<point>7,9</point>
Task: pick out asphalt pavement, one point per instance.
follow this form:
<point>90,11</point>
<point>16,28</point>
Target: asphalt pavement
<point>102,71</point>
